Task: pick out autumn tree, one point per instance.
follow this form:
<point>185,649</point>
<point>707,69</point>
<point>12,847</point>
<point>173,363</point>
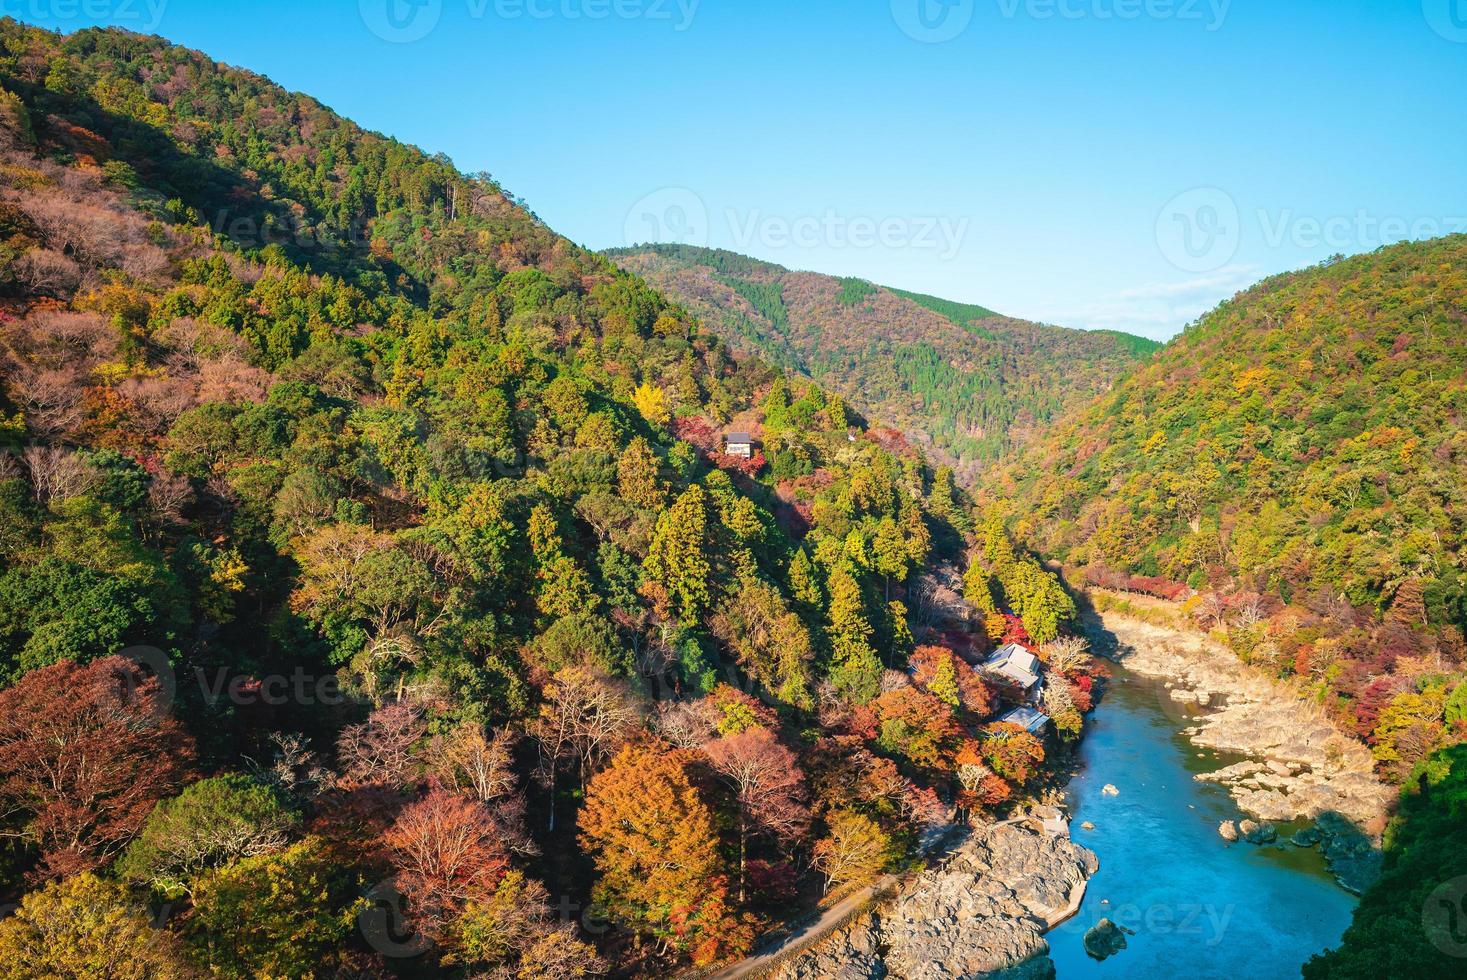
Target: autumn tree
<point>769,791</point>
<point>769,641</point>
<point>655,847</point>
<point>283,914</point>
<point>472,761</point>
<point>855,848</point>
<point>637,476</point>
<point>1011,752</point>
<point>584,716</point>
<point>652,403</point>
<point>383,750</point>
<point>564,587</point>
<point>85,753</point>
<point>448,851</point>
<point>515,931</point>
<point>949,679</point>
<point>86,926</point>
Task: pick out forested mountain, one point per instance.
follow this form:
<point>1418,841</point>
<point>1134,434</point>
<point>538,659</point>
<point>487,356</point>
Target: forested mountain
<point>375,596</point>
<point>1299,458</point>
<point>969,382</point>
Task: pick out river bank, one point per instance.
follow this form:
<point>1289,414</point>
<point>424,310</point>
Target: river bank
<point>1292,765</point>
<point>983,911</point>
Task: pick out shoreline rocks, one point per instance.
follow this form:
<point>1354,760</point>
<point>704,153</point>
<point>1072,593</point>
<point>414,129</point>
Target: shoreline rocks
<point>981,913</point>
<point>1297,765</point>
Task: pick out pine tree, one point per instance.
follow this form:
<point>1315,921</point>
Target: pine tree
<point>857,669</point>
<point>678,560</point>
<point>637,476</point>
<point>565,589</point>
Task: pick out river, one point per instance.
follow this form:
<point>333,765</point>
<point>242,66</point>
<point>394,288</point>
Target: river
<point>1199,906</point>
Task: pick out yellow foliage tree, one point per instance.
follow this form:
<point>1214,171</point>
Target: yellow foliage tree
<point>651,401</point>
<point>87,927</point>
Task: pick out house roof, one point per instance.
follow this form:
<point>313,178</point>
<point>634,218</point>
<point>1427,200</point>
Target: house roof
<point>1033,721</point>
<point>1016,664</point>
<point>738,437</point>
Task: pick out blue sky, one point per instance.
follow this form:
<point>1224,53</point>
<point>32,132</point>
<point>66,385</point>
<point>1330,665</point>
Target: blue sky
<point>1096,163</point>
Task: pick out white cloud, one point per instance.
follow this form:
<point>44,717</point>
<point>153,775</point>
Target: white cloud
<point>1159,310</point>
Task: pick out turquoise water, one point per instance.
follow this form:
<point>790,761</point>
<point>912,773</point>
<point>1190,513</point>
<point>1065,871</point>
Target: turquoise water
<point>1200,907</point>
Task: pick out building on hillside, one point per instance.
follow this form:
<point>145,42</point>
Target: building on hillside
<point>739,444</point>
<point>1027,718</point>
<point>1017,666</point>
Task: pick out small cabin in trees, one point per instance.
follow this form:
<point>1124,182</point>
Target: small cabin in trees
<point>739,444</point>
<point>1030,719</point>
<point>1015,665</point>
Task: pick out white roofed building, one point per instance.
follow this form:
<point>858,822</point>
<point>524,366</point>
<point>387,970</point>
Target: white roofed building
<point>1017,666</point>
<point>1030,719</point>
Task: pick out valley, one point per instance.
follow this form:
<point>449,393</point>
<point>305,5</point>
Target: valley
<point>392,587</point>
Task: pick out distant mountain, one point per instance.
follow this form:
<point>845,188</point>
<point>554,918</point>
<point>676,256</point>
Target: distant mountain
<point>1306,434</point>
<point>968,381</point>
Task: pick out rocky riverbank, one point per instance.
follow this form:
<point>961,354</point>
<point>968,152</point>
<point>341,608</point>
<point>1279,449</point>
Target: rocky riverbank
<point>982,913</point>
<point>1299,766</point>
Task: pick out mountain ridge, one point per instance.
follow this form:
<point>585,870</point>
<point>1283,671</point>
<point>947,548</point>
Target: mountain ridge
<point>956,377</point>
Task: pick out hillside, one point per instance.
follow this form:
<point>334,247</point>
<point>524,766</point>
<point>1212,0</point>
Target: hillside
<point>371,570</point>
<point>961,378</point>
<point>1298,457</point>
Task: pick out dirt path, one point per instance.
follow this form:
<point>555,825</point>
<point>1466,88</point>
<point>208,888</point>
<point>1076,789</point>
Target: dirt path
<point>809,933</point>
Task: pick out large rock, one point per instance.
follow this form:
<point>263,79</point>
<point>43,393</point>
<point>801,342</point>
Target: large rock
<point>982,914</point>
<point>1105,939</point>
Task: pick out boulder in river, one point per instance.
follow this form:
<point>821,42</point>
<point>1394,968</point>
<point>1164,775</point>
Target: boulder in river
<point>1105,939</point>
<point>1228,830</point>
<point>1307,837</point>
<point>1261,833</point>
<point>1110,790</point>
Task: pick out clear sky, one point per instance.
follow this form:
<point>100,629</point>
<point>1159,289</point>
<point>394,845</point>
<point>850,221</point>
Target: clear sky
<point>1096,163</point>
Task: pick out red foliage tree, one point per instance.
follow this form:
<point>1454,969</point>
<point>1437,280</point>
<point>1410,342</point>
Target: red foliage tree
<point>769,789</point>
<point>85,754</point>
<point>449,851</point>
<point>931,662</point>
